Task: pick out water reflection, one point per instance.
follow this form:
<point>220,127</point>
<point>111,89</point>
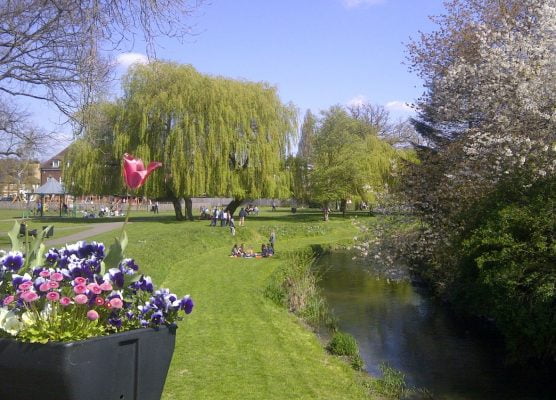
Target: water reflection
<point>395,323</point>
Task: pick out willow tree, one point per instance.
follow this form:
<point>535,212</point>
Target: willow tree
<point>90,165</point>
<point>214,136</point>
<point>350,160</point>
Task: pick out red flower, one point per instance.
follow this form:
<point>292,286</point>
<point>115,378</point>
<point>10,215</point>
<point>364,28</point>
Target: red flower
<point>135,174</point>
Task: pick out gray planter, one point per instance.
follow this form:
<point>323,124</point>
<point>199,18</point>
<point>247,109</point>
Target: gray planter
<point>125,366</point>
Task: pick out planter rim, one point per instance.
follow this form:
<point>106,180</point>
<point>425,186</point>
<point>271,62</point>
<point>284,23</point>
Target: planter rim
<point>170,328</point>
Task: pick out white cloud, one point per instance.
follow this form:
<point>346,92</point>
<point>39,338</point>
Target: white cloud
<point>358,100</point>
<point>126,59</point>
<point>397,105</point>
<point>360,3</point>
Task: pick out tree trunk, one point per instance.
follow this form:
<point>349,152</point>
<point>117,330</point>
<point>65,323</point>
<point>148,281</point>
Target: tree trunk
<point>176,201</point>
<point>233,205</point>
<point>325,212</point>
<point>189,208</point>
<point>343,206</point>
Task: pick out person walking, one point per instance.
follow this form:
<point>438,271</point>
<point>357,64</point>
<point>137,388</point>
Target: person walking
<point>232,226</point>
<point>242,215</point>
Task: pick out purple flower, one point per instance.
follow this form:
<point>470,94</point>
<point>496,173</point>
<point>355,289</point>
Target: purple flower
<point>116,276</point>
<point>13,261</point>
<point>128,266</point>
<point>115,320</point>
<point>144,283</point>
<point>186,304</point>
<point>157,318</point>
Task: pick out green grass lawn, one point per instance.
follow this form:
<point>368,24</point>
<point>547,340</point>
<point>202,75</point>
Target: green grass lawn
<point>237,344</point>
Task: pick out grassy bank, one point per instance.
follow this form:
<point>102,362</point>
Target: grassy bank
<point>237,344</point>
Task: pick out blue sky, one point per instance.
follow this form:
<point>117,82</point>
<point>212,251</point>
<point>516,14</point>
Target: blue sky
<point>316,52</point>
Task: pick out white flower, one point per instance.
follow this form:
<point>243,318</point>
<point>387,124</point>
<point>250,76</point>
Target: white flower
<point>9,322</point>
<point>28,318</point>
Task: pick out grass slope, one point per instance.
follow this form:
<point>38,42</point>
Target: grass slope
<point>236,344</point>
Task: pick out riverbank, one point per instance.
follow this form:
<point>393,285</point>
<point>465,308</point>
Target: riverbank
<point>237,344</point>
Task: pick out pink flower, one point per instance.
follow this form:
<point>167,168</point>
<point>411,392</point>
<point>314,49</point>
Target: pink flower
<point>79,289</point>
<point>53,296</point>
<point>53,285</point>
<point>29,296</point>
<point>81,299</point>
<point>57,276</point>
<point>116,302</point>
<point>8,300</point>
<point>80,281</point>
<point>65,301</point>
<point>95,288</point>
<point>99,301</point>
<point>25,286</point>
<point>44,287</point>
<point>92,315</point>
<point>135,174</point>
<point>106,286</point>
<point>45,274</point>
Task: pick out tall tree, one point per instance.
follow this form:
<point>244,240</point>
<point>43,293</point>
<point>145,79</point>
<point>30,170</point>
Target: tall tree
<point>350,160</point>
<point>56,51</point>
<point>306,141</point>
<point>214,136</point>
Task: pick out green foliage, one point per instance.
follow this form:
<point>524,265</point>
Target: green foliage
<point>508,266</point>
<point>392,384</point>
<point>350,160</point>
<point>214,136</point>
<point>343,344</point>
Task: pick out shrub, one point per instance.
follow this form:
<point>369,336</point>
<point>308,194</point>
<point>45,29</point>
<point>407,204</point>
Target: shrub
<point>343,344</point>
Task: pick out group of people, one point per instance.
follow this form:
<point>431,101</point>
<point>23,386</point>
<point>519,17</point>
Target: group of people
<point>240,251</point>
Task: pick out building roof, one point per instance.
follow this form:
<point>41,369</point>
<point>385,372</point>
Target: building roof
<point>60,156</point>
<point>52,186</point>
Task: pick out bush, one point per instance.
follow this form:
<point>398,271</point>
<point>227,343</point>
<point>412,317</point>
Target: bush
<point>507,267</point>
<point>343,344</point>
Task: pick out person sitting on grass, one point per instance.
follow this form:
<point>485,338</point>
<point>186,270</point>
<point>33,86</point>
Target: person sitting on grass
<point>249,253</point>
<point>264,250</point>
<point>269,250</point>
<point>235,251</point>
<point>241,250</point>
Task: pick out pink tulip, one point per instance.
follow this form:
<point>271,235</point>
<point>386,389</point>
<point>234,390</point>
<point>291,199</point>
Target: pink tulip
<point>44,287</point>
<point>81,299</point>
<point>29,297</point>
<point>92,315</point>
<point>65,301</point>
<point>79,289</point>
<point>99,301</point>
<point>116,303</point>
<point>8,300</point>
<point>106,286</point>
<point>53,296</point>
<point>80,281</point>
<point>56,276</point>
<point>53,285</point>
<point>45,274</point>
<point>135,174</point>
<point>95,288</point>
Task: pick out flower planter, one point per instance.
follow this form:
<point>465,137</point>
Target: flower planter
<point>125,366</point>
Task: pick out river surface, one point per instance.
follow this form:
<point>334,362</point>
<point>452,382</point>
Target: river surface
<point>399,324</point>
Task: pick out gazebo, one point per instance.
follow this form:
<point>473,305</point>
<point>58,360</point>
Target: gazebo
<point>52,186</point>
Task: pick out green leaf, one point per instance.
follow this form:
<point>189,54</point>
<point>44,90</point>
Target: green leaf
<point>13,234</point>
<point>116,252</point>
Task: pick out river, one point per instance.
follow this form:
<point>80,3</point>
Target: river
<point>401,325</point>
